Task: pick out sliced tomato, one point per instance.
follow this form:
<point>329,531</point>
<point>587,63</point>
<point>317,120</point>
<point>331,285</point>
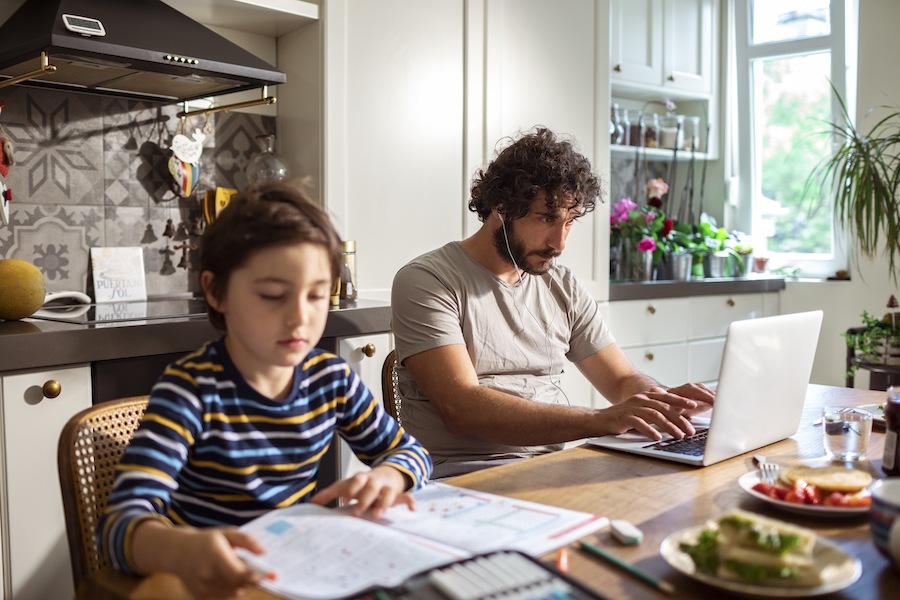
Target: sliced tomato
<point>859,501</point>
<point>835,499</point>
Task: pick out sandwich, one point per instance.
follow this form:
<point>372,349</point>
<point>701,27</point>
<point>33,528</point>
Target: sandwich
<point>743,546</point>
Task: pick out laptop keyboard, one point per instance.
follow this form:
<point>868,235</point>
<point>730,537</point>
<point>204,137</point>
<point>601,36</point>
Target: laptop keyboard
<point>692,445</point>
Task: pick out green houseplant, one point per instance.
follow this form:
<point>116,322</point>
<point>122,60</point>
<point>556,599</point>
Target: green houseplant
<point>863,176</point>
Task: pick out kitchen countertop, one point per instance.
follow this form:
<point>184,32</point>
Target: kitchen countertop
<point>640,290</point>
<point>38,344</point>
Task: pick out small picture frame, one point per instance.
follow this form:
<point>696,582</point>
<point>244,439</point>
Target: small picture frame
<point>118,274</point>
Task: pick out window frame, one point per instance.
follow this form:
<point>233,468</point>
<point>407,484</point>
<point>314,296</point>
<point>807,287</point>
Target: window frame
<point>841,42</point>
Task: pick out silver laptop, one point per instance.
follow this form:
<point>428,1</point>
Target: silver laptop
<point>766,365</point>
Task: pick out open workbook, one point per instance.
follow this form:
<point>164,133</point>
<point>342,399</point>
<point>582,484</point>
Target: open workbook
<point>318,552</point>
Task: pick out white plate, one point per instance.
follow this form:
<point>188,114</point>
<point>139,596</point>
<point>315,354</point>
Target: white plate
<point>748,480</point>
<point>838,569</point>
<point>876,410</point>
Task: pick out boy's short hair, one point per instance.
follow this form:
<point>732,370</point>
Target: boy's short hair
<point>538,161</point>
<point>262,217</point>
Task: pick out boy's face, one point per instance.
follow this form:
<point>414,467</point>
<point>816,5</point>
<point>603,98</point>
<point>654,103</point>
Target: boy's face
<point>275,307</point>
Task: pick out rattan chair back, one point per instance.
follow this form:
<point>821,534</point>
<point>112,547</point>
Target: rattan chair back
<point>90,446</point>
<point>390,393</point>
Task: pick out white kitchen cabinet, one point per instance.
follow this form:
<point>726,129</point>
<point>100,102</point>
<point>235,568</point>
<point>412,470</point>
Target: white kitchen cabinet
<point>35,549</point>
<point>365,354</point>
<point>664,46</point>
<point>675,340</point>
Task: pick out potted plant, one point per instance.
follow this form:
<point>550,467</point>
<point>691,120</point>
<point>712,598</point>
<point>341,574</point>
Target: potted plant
<point>877,341</point>
<point>863,177</point>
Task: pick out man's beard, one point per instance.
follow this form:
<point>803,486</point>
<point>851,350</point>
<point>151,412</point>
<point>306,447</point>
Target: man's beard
<point>512,250</point>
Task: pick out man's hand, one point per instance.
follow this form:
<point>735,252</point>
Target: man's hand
<point>657,411</point>
<point>378,489</point>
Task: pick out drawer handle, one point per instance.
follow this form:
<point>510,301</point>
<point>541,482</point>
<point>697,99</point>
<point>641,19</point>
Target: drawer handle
<point>671,78</point>
<point>730,302</point>
<point>368,350</point>
<point>648,355</point>
<point>51,388</point>
<point>617,68</point>
<point>651,309</point>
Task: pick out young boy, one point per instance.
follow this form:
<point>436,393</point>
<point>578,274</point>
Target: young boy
<point>238,427</point>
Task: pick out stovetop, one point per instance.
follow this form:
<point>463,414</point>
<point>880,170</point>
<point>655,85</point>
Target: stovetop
<point>121,312</point>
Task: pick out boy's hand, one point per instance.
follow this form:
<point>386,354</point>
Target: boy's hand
<point>204,559</point>
<point>378,489</point>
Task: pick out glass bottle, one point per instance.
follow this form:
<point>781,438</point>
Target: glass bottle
<point>636,127</point>
<point>348,274</point>
<point>617,131</point>
<point>891,463</point>
<point>266,166</point>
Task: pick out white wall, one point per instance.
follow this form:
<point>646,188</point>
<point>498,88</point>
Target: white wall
<point>879,84</point>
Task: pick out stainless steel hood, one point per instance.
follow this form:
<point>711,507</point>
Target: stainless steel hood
<point>147,50</point>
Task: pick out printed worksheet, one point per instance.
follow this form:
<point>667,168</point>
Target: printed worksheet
<point>316,552</point>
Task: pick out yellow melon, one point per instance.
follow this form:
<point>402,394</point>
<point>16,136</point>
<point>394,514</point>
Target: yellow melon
<point>21,289</point>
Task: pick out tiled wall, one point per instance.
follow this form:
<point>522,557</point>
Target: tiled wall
<point>93,171</point>
<point>622,176</point>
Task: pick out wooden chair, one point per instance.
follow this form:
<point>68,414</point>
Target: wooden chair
<point>389,393</point>
<point>89,449</point>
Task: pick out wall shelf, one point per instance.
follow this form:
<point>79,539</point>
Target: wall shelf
<point>655,153</point>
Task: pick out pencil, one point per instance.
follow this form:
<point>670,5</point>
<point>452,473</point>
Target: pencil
<point>659,584</point>
<point>562,560</point>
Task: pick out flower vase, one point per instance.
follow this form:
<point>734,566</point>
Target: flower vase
<point>639,265</point>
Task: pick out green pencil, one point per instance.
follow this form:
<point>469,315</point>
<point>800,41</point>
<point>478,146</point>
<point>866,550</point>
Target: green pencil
<point>659,584</point>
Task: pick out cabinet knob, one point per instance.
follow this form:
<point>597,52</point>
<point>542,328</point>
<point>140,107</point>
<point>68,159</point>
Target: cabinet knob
<point>648,356</point>
<point>51,388</point>
<point>617,68</point>
<point>730,302</point>
<point>651,309</point>
<point>671,78</point>
<point>368,350</point>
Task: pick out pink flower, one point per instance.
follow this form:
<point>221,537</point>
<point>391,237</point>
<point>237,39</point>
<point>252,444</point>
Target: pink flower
<point>649,217</point>
<point>621,209</point>
<point>647,245</point>
<point>656,188</point>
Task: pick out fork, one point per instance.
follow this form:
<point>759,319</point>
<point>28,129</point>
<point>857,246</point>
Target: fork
<point>768,472</point>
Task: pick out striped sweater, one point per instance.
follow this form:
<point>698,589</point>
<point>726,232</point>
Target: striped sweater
<point>212,451</point>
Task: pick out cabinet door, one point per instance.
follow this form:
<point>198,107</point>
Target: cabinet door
<point>666,363</point>
<point>689,40</point>
<point>356,351</point>
<point>711,315</point>
<point>37,549</point>
<point>641,322</point>
<point>636,34</point>
<point>705,358</point>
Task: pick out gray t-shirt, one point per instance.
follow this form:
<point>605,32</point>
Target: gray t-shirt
<point>519,337</point>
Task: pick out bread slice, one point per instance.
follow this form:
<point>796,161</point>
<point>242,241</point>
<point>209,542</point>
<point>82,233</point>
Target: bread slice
<point>831,478</point>
<point>759,549</point>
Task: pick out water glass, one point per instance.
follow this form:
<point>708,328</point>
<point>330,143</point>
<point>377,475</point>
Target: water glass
<point>846,431</point>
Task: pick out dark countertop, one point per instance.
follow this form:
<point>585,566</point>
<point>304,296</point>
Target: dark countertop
<point>37,344</point>
<point>640,290</point>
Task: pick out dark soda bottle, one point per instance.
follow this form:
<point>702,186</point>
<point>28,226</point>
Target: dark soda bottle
<point>891,463</point>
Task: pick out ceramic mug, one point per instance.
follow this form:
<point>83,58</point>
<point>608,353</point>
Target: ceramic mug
<point>884,518</point>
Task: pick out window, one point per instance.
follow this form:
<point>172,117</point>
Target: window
<point>788,54</point>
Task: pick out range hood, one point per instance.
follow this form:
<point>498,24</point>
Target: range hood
<point>141,49</point>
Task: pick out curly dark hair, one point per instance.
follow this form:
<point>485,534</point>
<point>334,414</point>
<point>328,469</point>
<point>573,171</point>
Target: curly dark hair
<point>261,217</point>
<point>539,161</point>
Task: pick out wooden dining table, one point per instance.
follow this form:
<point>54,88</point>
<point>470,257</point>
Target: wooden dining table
<point>657,496</point>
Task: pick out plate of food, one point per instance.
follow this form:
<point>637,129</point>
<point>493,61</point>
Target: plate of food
<point>877,411</point>
<point>831,490</point>
<point>759,557</point>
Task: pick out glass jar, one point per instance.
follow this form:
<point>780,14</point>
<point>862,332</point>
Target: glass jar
<point>651,130</point>
<point>635,127</point>
<point>266,166</point>
<point>671,131</point>
<point>891,463</point>
<point>692,134</point>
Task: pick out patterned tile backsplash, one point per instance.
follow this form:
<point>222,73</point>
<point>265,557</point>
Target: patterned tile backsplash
<point>93,171</point>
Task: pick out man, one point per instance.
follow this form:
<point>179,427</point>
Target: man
<point>483,327</point>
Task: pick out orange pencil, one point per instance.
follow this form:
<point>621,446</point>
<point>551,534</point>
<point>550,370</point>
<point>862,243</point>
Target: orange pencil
<point>562,560</point>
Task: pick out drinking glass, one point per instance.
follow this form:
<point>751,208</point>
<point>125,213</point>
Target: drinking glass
<point>846,431</point>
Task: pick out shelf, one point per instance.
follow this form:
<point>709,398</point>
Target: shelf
<point>272,18</point>
<point>656,153</point>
